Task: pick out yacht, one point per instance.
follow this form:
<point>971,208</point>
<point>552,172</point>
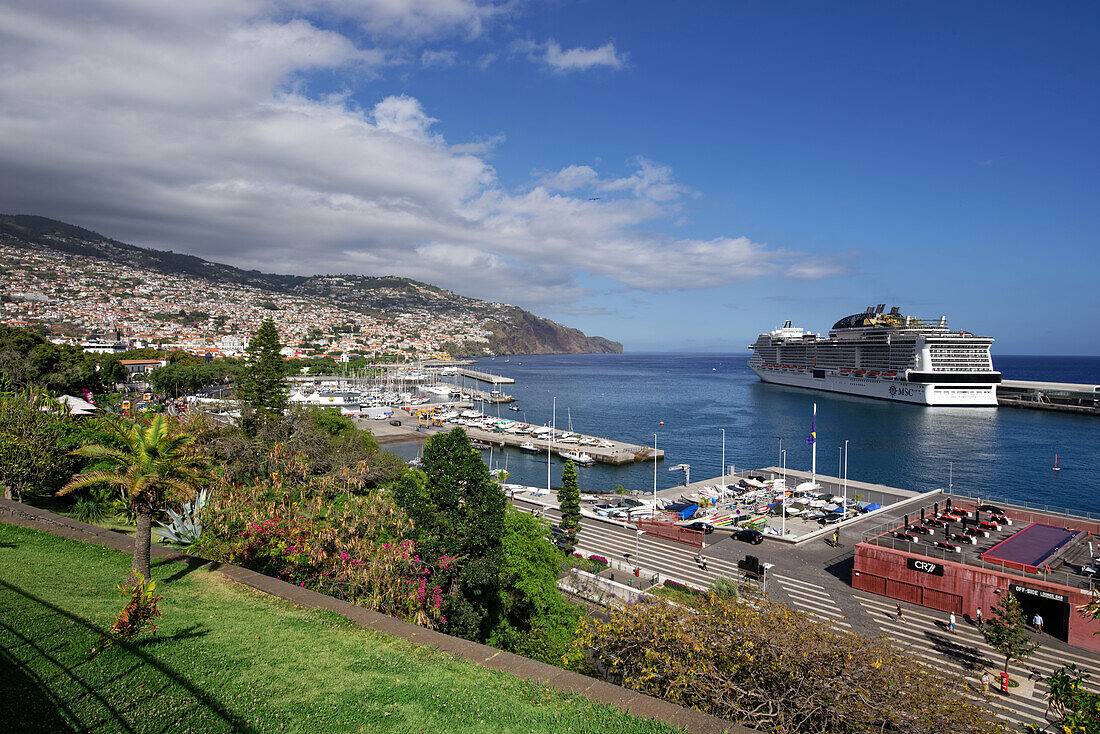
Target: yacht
<point>882,355</point>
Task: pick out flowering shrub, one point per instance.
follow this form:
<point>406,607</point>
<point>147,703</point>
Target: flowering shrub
<point>599,559</point>
<point>351,546</point>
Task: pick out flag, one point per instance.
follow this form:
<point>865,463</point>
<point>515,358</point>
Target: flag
<point>812,438</point>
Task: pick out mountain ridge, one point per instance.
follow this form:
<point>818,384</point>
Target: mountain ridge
<point>512,330</point>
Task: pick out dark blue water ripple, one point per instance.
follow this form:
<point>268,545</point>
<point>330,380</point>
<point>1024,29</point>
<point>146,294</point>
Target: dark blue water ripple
<point>1005,452</point>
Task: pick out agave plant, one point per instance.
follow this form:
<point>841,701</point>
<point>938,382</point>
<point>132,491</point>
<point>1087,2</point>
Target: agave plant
<point>186,527</point>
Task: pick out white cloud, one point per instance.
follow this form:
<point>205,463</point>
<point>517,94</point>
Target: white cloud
<point>196,130</point>
<point>439,58</point>
<point>552,55</point>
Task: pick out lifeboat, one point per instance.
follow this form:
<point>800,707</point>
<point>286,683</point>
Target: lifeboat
<point>873,373</point>
<point>889,374</point>
<point>846,371</point>
<point>859,373</point>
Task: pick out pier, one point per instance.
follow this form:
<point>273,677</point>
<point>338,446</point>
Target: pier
<point>480,396</point>
<point>620,453</point>
<point>486,377</point>
<point>1066,397</point>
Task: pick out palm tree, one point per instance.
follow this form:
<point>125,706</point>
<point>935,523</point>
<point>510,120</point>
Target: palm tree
<point>150,463</point>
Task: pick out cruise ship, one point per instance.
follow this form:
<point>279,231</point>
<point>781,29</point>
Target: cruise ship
<point>882,355</point>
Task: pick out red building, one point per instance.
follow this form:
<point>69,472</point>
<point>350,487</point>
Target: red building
<point>963,558</point>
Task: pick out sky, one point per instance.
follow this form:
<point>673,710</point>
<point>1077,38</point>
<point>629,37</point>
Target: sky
<point>677,177</point>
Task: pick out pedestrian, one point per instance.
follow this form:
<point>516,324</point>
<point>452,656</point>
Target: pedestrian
<point>985,681</point>
<point>703,561</point>
<point>1037,620</point>
<point>951,623</point>
<point>978,617</point>
<point>836,538</point>
<point>898,617</point>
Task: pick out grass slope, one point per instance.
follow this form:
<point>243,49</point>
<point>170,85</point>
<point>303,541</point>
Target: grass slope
<point>226,658</point>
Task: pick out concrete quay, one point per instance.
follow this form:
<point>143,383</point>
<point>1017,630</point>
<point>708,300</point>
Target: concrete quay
<point>619,453</point>
<point>486,377</point>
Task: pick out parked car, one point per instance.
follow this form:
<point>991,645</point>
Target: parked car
<point>750,536</point>
<point>704,527</point>
<point>395,422</point>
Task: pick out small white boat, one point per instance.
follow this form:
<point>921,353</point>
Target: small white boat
<point>529,448</point>
<point>577,457</point>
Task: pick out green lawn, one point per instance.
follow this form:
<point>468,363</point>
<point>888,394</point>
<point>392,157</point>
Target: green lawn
<point>227,658</point>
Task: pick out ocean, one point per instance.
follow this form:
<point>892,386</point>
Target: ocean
<point>687,399</point>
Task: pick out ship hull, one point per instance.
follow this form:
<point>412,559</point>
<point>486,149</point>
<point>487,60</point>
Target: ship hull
<point>900,391</point>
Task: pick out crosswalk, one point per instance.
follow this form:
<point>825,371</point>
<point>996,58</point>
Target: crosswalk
<point>813,599</point>
<point>965,654</point>
<point>921,632</point>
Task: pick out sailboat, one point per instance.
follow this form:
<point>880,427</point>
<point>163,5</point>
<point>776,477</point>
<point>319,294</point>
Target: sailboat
<point>1056,467</point>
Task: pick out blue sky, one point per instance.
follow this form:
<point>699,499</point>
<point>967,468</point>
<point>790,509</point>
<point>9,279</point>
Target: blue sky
<point>677,178</point>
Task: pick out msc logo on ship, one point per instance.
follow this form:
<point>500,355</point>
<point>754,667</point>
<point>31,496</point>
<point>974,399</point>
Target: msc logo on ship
<point>893,389</point>
<point>906,391</point>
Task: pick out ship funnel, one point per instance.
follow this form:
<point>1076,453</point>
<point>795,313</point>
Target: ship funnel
<point>786,324</point>
<point>943,321</point>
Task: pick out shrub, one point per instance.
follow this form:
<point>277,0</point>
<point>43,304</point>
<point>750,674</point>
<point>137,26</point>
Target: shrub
<point>139,610</point>
<point>90,510</point>
<point>351,546</point>
<point>765,666</point>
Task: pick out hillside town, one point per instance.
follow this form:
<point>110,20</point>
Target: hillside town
<point>111,307</point>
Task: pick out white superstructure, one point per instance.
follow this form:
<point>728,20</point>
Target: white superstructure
<point>882,355</point>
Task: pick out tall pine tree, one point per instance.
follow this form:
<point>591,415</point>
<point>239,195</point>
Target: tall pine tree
<point>459,512</point>
<point>569,502</point>
<point>262,387</point>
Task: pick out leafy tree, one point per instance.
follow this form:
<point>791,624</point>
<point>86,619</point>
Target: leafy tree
<point>537,622</point>
<point>28,360</point>
<point>148,463</point>
<point>569,502</point>
<point>262,387</point>
<point>458,512</point>
<point>1006,631</point>
<point>1077,708</point>
<point>33,459</point>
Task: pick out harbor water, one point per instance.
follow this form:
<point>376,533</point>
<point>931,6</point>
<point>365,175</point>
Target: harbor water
<point>686,399</point>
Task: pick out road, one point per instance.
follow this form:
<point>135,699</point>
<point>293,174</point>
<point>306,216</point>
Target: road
<point>815,581</point>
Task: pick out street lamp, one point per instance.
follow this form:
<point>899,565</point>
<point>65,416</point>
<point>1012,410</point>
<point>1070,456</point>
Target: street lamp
<point>723,430</point>
<point>654,515</point>
<point>845,476</point>
<point>781,451</point>
<point>950,470</point>
<point>783,502</point>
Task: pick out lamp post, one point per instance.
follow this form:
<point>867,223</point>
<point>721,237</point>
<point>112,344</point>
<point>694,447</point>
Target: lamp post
<point>654,515</point>
<point>781,451</point>
<point>950,470</point>
<point>839,464</point>
<point>723,430</point>
<point>845,476</point>
<point>783,505</point>
<point>550,441</point>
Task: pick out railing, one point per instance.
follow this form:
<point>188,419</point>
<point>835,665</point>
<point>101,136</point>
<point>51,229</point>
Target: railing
<point>881,535</point>
<point>676,533</point>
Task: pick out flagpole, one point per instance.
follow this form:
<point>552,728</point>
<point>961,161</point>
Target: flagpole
<point>813,465</point>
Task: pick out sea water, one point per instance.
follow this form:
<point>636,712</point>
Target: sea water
<point>683,401</point>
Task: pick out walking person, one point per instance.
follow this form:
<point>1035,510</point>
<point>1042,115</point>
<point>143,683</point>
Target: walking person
<point>951,623</point>
<point>703,562</point>
<point>836,538</point>
<point>897,618</point>
<point>985,681</point>
<point>978,620</point>
<point>1037,620</point>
